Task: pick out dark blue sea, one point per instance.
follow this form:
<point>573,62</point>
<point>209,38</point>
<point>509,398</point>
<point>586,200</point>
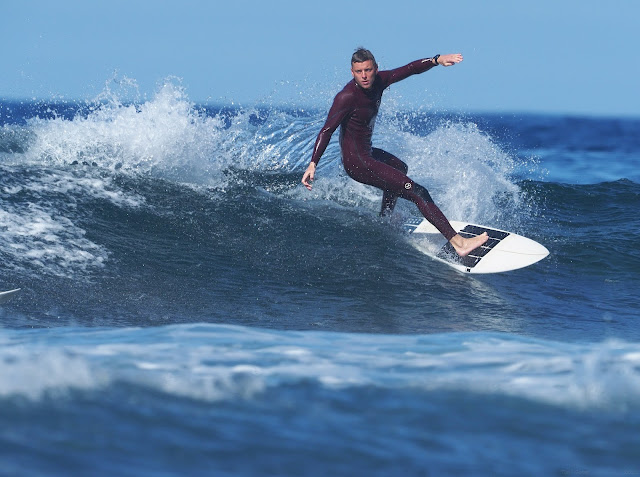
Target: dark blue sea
<point>188,308</point>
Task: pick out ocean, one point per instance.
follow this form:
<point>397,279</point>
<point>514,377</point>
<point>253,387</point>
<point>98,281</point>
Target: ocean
<point>187,307</point>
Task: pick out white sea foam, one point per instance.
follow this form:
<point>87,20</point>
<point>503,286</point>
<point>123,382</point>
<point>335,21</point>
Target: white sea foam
<point>43,241</point>
<point>37,372</point>
<point>38,220</point>
<point>214,362</point>
<point>169,137</point>
<point>165,134</point>
<point>466,173</point>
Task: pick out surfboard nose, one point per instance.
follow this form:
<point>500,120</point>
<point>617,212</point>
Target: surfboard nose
<point>532,248</point>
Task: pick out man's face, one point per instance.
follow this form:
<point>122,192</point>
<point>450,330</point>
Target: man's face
<point>364,73</point>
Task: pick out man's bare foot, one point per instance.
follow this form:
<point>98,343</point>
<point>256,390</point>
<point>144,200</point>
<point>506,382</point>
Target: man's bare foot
<point>464,246</point>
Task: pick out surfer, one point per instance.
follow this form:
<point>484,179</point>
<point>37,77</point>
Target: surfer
<point>355,109</point>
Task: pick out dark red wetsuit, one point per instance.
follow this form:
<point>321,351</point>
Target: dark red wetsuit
<point>355,110</point>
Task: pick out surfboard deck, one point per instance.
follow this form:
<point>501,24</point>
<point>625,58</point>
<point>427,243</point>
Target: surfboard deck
<point>7,295</point>
<point>503,252</point>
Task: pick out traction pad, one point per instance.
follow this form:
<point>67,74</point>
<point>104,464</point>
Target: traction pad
<point>447,252</point>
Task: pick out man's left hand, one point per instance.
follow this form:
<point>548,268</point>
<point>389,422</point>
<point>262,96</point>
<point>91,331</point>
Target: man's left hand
<point>450,59</point>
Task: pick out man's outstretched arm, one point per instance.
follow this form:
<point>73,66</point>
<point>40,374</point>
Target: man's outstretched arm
<point>419,66</point>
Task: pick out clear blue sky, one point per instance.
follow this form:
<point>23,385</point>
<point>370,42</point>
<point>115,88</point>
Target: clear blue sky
<point>557,56</point>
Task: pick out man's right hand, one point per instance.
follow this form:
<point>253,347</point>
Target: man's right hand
<point>308,176</point>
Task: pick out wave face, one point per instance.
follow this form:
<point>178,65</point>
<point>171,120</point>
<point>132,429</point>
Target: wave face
<point>182,291</point>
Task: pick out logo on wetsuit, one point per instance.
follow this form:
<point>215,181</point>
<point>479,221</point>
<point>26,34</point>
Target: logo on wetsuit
<point>407,185</point>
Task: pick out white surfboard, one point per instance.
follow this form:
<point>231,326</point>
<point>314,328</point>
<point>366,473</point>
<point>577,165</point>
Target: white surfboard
<point>504,251</point>
<point>7,295</point>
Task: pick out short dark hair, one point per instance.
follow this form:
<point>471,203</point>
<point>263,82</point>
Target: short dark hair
<point>362,55</point>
